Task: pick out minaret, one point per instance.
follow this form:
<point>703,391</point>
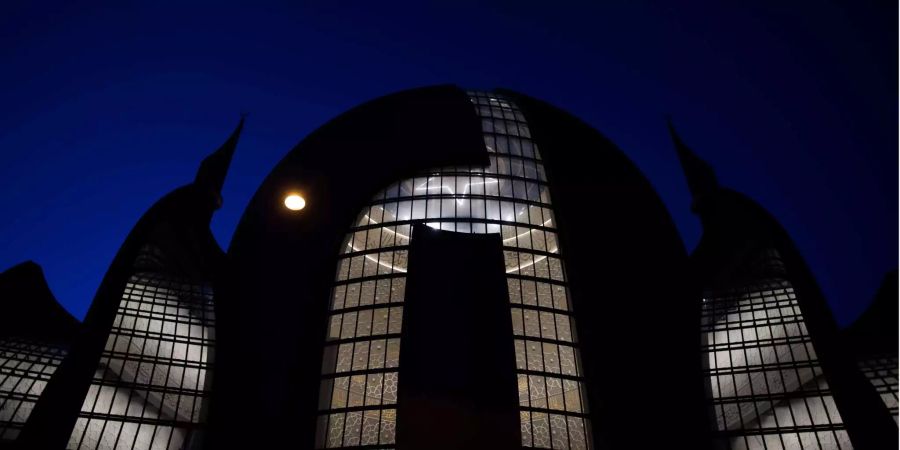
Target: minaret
<point>789,383</point>
<point>149,332</point>
<point>701,179</point>
<point>211,174</point>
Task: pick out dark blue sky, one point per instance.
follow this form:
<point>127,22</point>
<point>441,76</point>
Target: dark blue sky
<point>106,109</point>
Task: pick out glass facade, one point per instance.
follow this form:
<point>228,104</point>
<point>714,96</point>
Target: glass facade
<point>150,386</point>
<point>361,369</point>
<point>766,389</point>
<point>882,373</point>
<point>25,368</point>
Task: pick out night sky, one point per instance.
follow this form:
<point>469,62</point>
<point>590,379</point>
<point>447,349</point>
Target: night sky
<point>103,110</point>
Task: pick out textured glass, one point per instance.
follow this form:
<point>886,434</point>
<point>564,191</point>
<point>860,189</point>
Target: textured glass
<point>150,387</point>
<point>766,388</point>
<point>882,373</point>
<point>25,369</point>
<point>511,197</point>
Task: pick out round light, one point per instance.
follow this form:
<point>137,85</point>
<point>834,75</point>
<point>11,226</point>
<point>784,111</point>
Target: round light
<point>294,202</point>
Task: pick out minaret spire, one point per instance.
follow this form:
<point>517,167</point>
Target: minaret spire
<point>211,175</point>
<point>701,178</point>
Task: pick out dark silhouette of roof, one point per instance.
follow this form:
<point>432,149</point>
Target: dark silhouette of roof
<point>29,308</point>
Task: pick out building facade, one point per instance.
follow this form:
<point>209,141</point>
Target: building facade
<point>443,269</point>
<point>777,373</point>
<point>470,163</point>
<point>139,374</point>
<point>509,197</point>
<point>872,342</point>
<point>35,335</point>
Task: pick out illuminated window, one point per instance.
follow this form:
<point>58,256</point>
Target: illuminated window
<point>25,369</point>
<point>361,369</point>
<point>765,383</point>
<point>881,371</point>
<point>153,378</point>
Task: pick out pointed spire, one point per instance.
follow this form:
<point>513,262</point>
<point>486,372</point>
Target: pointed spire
<point>701,178</point>
<point>214,168</point>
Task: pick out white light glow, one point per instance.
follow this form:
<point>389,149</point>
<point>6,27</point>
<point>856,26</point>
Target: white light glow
<point>294,202</point>
<point>376,261</point>
<point>449,189</point>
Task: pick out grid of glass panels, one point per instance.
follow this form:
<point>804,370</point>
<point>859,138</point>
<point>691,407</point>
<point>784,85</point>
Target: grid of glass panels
<point>882,373</point>
<point>766,389</point>
<point>25,368</point>
<point>360,371</point>
<point>153,378</point>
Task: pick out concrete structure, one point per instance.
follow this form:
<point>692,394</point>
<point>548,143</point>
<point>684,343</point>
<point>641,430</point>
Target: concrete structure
<point>139,374</point>
<point>872,340</point>
<point>777,374</point>
<point>446,269</point>
<point>35,335</point>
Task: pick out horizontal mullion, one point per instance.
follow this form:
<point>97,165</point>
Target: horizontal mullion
<point>362,338</point>
<point>173,338</point>
<point>541,308</point>
<point>371,277</point>
<point>141,420</point>
<point>468,196</point>
<point>27,373</point>
<point>748,369</point>
<point>473,220</point>
<point>555,412</point>
<point>351,373</point>
<point>160,360</point>
<point>154,388</point>
<point>365,307</point>
<point>781,430</point>
<point>541,373</point>
<point>757,343</point>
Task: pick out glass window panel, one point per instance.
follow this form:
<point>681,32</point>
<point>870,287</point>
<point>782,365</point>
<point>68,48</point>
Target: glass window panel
<point>523,390</point>
<point>348,327</point>
<point>389,391</point>
<point>532,324</point>
<point>388,426</point>
<point>572,392</point>
<point>340,393</point>
<point>370,427</point>
<point>548,325</point>
<point>356,394</point>
<point>551,358</point>
<point>520,354</point>
<point>360,355</point>
<point>515,295</point>
<point>395,320</point>
<point>525,421</point>
<point>538,395</point>
<point>344,358</point>
<point>352,298</point>
<point>558,430</point>
<point>398,289</point>
<point>374,388</point>
<point>364,323</point>
<point>367,293</point>
<point>335,430</point>
<point>377,353</point>
<point>567,360</point>
<point>535,355</point>
<point>540,426</point>
<point>393,353</point>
